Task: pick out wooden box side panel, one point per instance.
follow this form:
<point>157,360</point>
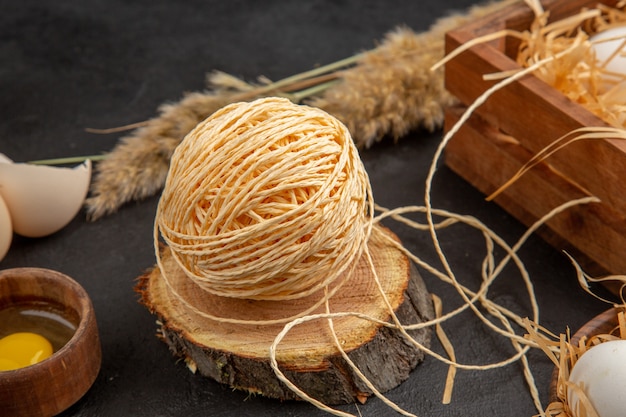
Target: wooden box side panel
<point>484,160</point>
<point>532,111</point>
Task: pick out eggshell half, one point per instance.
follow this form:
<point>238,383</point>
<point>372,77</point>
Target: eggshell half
<point>43,199</point>
<point>601,372</point>
<point>6,230</point>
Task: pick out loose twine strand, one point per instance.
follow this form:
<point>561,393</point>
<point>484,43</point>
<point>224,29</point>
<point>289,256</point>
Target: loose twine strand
<point>268,200</point>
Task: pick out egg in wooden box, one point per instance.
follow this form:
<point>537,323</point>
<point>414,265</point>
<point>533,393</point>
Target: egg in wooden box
<point>610,48</point>
<point>600,376</point>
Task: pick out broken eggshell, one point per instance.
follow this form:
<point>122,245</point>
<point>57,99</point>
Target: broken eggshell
<point>42,199</point>
<point>6,230</point>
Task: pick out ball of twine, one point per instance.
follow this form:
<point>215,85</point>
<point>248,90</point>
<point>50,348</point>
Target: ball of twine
<point>266,200</point>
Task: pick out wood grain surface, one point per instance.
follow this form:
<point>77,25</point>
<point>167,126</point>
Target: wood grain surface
<point>238,354</point>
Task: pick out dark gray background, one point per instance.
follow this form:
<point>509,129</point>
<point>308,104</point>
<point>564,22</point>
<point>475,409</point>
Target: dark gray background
<point>67,65</point>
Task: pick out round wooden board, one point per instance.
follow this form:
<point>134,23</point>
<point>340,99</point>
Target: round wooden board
<point>238,354</point>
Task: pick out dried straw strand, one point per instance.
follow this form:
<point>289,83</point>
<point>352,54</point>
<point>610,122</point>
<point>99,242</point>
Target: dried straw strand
<point>585,133</point>
<point>577,75</point>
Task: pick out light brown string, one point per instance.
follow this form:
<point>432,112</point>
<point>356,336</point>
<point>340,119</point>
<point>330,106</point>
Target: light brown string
<point>266,200</point>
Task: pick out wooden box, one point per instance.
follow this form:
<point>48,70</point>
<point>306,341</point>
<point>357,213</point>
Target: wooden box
<point>520,120</point>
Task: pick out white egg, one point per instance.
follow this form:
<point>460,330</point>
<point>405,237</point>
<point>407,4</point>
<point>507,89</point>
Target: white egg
<point>601,372</point>
<point>43,199</point>
<point>6,230</point>
<point>607,53</point>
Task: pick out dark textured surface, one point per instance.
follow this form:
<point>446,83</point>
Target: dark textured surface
<point>67,65</point>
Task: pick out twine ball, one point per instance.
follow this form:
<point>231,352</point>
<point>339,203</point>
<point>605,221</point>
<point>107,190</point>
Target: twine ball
<point>266,200</point>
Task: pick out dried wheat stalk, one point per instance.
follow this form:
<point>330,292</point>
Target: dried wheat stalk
<point>387,91</point>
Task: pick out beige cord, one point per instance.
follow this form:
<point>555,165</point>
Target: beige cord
<point>266,200</point>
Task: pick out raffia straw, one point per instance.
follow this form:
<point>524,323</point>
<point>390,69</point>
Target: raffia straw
<point>480,295</point>
<point>584,279</point>
<point>584,133</point>
<point>298,202</point>
<point>449,348</point>
<point>577,75</point>
<point>564,354</point>
<point>453,130</point>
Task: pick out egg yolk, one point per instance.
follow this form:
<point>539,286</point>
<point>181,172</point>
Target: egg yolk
<point>22,349</point>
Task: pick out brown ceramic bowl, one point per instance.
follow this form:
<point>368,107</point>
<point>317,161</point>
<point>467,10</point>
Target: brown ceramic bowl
<point>54,384</point>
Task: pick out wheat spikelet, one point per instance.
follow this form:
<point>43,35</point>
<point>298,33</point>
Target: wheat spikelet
<point>390,91</point>
<point>138,165</point>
